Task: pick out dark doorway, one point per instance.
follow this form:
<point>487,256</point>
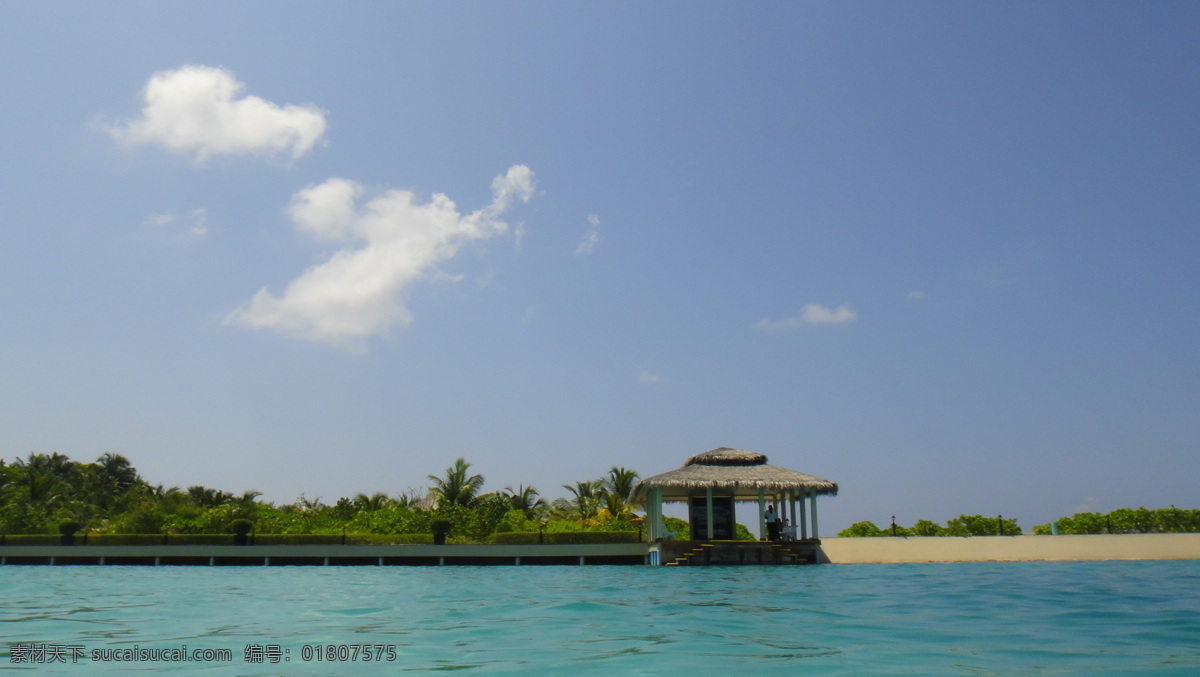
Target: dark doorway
<point>723,522</point>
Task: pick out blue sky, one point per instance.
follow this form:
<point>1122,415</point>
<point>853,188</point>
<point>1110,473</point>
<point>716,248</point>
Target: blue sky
<point>941,253</point>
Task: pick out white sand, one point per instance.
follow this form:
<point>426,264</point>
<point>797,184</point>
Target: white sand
<point>1011,548</point>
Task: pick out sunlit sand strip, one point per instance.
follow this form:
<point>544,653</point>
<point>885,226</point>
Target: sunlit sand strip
<point>1011,548</point>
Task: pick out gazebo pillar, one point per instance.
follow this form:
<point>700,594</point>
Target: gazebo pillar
<point>783,509</point>
<point>814,513</point>
<point>803,516</point>
<point>657,528</point>
<point>708,507</point>
<point>762,515</point>
<point>792,506</point>
<point>649,506</point>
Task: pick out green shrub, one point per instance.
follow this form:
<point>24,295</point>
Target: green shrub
<point>679,527</point>
<point>69,528</point>
<point>241,527</point>
<point>1131,521</point>
<point>125,539</point>
<point>32,539</point>
<point>200,539</point>
<point>862,529</point>
<point>978,525</point>
<point>389,539</point>
<point>584,537</point>
<point>297,539</point>
<point>515,538</point>
<point>564,537</point>
<point>440,525</point>
<point>927,528</point>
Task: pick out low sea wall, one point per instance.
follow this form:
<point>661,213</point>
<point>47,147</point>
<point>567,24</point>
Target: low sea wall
<point>830,550</point>
<point>324,555</point>
<point>1009,548</point>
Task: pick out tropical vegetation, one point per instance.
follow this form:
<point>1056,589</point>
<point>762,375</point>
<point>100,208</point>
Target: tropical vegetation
<point>43,492</point>
<point>1127,521</point>
<point>963,525</point>
<point>1121,521</point>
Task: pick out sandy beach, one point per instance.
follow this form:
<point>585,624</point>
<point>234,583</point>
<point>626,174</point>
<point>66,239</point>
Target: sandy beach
<point>1027,548</point>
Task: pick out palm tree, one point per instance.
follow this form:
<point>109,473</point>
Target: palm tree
<point>376,501</point>
<point>108,479</point>
<point>620,481</point>
<point>525,499</point>
<point>586,498</point>
<point>457,488</point>
<point>246,500</point>
<point>204,497</point>
<point>410,498</point>
<point>614,492</point>
<point>55,464</point>
<point>47,478</point>
<point>170,498</point>
<point>561,509</point>
<point>116,470</point>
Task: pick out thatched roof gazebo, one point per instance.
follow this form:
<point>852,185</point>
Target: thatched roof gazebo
<point>712,481</point>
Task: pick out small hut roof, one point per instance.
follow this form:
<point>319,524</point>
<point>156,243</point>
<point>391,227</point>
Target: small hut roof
<point>737,472</point>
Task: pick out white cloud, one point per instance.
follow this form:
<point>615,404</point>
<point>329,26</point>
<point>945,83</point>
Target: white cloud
<point>810,314</point>
<point>591,239</point>
<point>196,221</point>
<point>916,296</point>
<point>159,219</point>
<point>518,236</point>
<point>386,245</point>
<point>648,377</point>
<point>200,111</point>
<point>199,222</point>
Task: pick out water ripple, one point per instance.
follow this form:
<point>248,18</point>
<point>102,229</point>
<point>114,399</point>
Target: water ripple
<point>974,619</point>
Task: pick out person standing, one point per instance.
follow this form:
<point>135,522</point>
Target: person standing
<point>772,523</point>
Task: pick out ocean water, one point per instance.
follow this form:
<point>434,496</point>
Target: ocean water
<point>1085,618</point>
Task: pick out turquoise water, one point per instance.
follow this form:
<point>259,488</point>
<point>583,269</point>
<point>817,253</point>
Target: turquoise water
<point>1086,618</point>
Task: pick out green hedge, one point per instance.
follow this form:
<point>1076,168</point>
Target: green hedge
<point>197,539</point>
<point>336,539</point>
<point>298,539</point>
<point>389,539</point>
<point>128,539</point>
<point>510,538</point>
<point>515,538</point>
<point>32,539</point>
<point>581,537</point>
<point>565,538</point>
<point>123,539</point>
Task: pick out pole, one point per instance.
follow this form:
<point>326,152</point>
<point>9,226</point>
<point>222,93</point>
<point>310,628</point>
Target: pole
<point>709,507</point>
<point>814,514</point>
<point>762,517</point>
<point>803,516</point>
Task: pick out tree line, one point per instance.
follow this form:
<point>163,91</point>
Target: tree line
<point>108,496</point>
<point>1170,520</point>
<point>1121,521</point>
<point>963,525</point>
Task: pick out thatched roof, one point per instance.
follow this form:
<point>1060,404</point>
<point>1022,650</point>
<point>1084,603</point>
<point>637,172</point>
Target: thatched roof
<point>734,472</point>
